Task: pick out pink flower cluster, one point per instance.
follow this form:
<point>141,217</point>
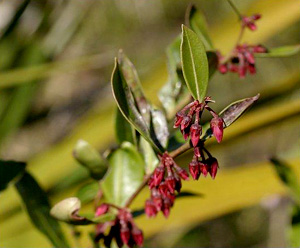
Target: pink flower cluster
<point>241,60</point>
<point>122,229</point>
<point>188,119</point>
<point>165,180</point>
<point>249,21</point>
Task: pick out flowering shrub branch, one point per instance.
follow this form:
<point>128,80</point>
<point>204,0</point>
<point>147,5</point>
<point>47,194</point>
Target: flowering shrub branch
<point>147,148</point>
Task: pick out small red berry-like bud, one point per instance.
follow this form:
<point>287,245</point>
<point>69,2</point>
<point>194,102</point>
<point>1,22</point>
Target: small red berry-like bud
<point>213,167</point>
<point>125,234</point>
<point>150,208</point>
<point>216,125</point>
<point>195,132</point>
<point>197,151</point>
<point>163,189</point>
<point>251,26</point>
<point>249,56</point>
<point>259,49</point>
<point>204,168</point>
<point>151,182</point>
<point>158,175</point>
<point>166,207</point>
<point>194,169</point>
<point>255,17</point>
<point>186,133</point>
<point>157,200</point>
<point>179,117</point>
<point>102,209</point>
<point>185,122</point>
<point>137,235</point>
<point>222,68</point>
<point>252,69</point>
<point>170,181</point>
<point>178,185</point>
<point>181,172</point>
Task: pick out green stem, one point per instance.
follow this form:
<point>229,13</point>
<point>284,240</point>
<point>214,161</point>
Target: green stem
<point>235,9</point>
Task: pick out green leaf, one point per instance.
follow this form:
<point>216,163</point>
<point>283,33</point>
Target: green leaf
<point>125,174</point>
<point>38,208</point>
<point>150,158</point>
<point>283,51</point>
<point>288,177</point>
<point>198,24</point>
<point>130,74</point>
<point>123,129</point>
<point>126,103</point>
<point>194,64</point>
<point>231,113</point>
<point>10,170</point>
<point>87,192</point>
<point>160,126</point>
<point>90,158</point>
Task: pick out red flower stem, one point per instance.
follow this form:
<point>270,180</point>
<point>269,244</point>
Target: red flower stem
<point>185,147</point>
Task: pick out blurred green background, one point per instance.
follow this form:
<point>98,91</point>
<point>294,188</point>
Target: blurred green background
<point>56,58</point>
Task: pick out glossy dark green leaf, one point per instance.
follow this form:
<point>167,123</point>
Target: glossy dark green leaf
<point>127,105</point>
<point>194,64</point>
<point>283,51</point>
<point>125,174</point>
<point>130,74</point>
<point>123,129</point>
<point>288,177</point>
<point>38,209</point>
<point>231,113</point>
<point>88,192</point>
<point>198,24</point>
<point>10,170</point>
<point>150,158</point>
<point>90,158</point>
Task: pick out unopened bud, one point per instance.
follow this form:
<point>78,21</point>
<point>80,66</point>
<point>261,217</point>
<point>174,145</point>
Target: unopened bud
<point>179,117</point>
<point>216,125</point>
<point>194,169</point>
<point>170,181</point>
<point>150,208</point>
<point>102,209</point>
<point>65,209</point>
<point>204,168</point>
<point>137,235</point>
<point>158,175</point>
<point>185,122</point>
<point>195,132</point>
<point>213,167</point>
<point>223,68</point>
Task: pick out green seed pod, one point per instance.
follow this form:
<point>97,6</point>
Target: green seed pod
<point>90,158</point>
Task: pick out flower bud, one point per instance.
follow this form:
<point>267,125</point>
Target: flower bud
<point>251,26</point>
<point>178,185</point>
<point>102,209</point>
<point>186,133</point>
<point>252,69</point>
<point>150,208</point>
<point>249,56</point>
<point>151,183</point>
<point>179,117</point>
<point>158,175</point>
<point>255,17</point>
<point>65,209</point>
<point>195,132</point>
<point>137,235</point>
<point>125,234</point>
<point>197,152</point>
<point>222,68</point>
<point>194,169</point>
<point>166,207</point>
<point>170,181</point>
<point>163,189</point>
<point>157,200</point>
<point>204,168</point>
<point>216,125</point>
<point>259,49</point>
<point>213,167</point>
<point>185,122</point>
